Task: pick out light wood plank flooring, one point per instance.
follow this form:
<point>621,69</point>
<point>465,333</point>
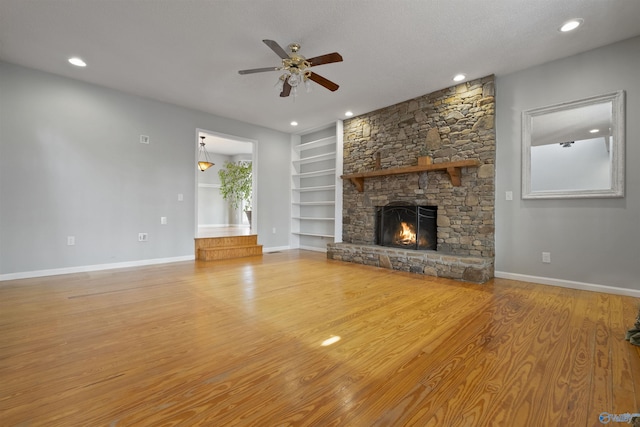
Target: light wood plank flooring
<point>238,343</point>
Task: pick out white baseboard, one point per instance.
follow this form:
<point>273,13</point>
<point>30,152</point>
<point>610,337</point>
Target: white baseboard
<point>97,267</point>
<point>275,249</point>
<point>223,225</point>
<point>313,248</point>
<point>568,284</point>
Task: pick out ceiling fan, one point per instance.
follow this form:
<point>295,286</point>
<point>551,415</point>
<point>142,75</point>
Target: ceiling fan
<point>296,69</point>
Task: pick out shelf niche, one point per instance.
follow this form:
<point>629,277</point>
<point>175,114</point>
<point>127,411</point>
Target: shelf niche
<point>454,170</point>
<point>314,175</point>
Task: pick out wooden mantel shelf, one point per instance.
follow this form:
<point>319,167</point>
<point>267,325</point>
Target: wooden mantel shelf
<point>452,168</point>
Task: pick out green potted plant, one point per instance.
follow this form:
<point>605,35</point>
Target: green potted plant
<point>236,184</point>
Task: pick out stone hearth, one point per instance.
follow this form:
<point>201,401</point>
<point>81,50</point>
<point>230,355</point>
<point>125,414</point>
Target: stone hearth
<point>431,263</point>
<point>451,125</point>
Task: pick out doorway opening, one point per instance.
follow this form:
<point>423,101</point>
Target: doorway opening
<point>215,215</point>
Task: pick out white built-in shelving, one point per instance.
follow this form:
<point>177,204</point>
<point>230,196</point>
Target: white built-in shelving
<point>315,184</point>
<point>325,172</point>
<point>315,159</point>
<point>320,142</point>
<point>317,188</point>
<point>326,202</point>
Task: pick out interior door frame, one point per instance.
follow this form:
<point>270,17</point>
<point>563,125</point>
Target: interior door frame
<point>254,173</point>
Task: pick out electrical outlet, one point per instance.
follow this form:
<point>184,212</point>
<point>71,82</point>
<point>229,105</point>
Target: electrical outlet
<point>71,240</point>
<point>273,230</point>
<point>508,195</point>
<point>144,139</point>
<point>180,197</point>
<point>163,220</point>
<point>546,257</point>
<point>143,237</point>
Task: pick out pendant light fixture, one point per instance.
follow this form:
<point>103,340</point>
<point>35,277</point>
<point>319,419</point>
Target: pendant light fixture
<point>203,157</point>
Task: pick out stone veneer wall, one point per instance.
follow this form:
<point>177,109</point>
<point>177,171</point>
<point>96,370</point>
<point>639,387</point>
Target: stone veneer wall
<point>452,124</point>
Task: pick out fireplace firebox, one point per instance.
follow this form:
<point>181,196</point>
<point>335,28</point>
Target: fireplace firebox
<point>407,226</point>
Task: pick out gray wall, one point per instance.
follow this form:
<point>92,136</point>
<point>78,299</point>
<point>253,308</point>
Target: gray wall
<point>592,241</point>
<point>71,164</point>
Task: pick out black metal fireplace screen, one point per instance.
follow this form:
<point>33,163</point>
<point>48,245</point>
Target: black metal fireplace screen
<point>407,226</point>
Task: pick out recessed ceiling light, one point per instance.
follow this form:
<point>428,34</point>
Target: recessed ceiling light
<point>348,113</point>
<point>594,131</point>
<point>77,62</point>
<point>294,123</point>
<point>459,77</point>
<point>571,25</point>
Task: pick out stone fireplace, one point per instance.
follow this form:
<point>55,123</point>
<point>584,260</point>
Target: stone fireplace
<point>454,127</point>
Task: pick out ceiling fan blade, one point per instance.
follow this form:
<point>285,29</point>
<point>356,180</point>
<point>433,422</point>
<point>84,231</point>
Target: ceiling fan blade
<point>325,59</point>
<point>276,48</point>
<point>324,82</point>
<point>258,70</point>
<point>286,89</point>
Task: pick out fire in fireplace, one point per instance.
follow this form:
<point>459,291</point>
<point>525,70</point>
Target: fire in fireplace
<point>407,226</point>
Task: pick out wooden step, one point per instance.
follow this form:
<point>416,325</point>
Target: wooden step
<point>212,254</point>
<point>226,241</point>
<point>228,247</point>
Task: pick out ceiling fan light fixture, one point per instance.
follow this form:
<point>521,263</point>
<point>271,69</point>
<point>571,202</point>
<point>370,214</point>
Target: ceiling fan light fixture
<point>203,158</point>
<point>295,69</point>
<point>294,79</point>
<point>279,84</point>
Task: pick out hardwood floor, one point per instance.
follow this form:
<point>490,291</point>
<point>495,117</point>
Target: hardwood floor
<point>238,342</point>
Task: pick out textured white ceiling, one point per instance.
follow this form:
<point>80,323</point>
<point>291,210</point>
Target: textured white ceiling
<point>188,52</point>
